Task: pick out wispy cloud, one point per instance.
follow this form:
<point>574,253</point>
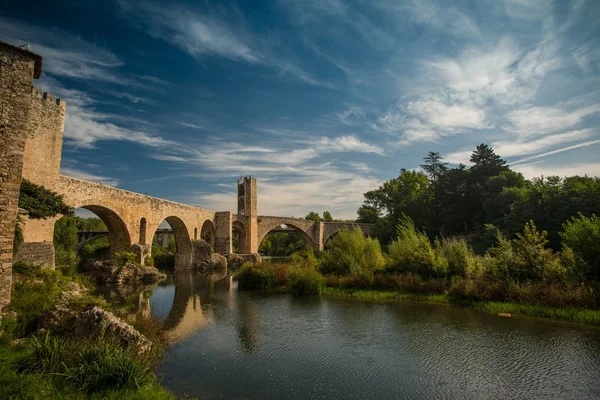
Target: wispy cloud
<point>532,121</point>
<point>75,173</point>
<point>65,54</point>
<point>219,32</point>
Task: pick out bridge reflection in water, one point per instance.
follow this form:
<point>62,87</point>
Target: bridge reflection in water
<point>187,302</point>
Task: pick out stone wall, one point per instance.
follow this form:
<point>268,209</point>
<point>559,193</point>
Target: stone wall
<point>17,71</point>
<point>36,253</point>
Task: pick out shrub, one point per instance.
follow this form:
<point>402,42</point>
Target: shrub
<point>126,257</point>
<point>412,252</point>
<point>262,275</point>
<point>351,252</point>
<point>149,261</point>
<point>305,281</point>
<point>357,280</point>
<point>534,261</point>
<point>460,257</point>
<point>581,235</point>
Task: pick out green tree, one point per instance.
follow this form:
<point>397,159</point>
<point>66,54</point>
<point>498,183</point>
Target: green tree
<point>368,214</point>
<point>313,216</point>
<point>486,163</point>
<point>327,216</point>
<point>582,236</point>
<point>40,202</point>
<point>434,167</point>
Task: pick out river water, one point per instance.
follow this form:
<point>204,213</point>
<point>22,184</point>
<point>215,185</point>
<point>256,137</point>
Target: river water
<point>246,345</point>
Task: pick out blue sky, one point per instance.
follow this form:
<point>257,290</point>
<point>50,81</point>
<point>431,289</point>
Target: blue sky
<point>320,100</point>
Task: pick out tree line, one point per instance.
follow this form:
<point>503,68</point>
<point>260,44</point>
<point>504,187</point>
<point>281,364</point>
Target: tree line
<point>478,200</point>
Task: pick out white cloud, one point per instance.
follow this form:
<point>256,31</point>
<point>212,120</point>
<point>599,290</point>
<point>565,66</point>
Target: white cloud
<point>576,146</point>
<point>543,120</point>
<point>193,126</point>
<point>347,144</point>
<point>74,173</point>
<point>541,169</point>
<point>523,147</point>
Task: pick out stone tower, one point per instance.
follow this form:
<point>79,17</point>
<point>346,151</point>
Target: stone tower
<point>18,68</point>
<point>248,212</point>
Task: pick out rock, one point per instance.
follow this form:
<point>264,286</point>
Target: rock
<point>219,262</point>
<point>107,272</point>
<point>235,261</point>
<point>96,323</point>
<point>59,318</point>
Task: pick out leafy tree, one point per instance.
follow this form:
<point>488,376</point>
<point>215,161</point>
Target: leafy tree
<point>40,202</point>
<point>582,236</point>
<point>313,216</point>
<point>486,163</point>
<point>434,167</point>
<point>368,214</point>
<point>327,216</point>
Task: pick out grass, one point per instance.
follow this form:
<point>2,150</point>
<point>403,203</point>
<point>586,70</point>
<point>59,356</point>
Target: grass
<point>577,315</point>
<point>55,366</point>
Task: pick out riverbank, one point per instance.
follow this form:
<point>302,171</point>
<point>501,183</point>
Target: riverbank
<point>583,316</point>
<point>39,362</point>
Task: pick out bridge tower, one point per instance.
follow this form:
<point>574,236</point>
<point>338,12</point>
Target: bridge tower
<point>248,211</point>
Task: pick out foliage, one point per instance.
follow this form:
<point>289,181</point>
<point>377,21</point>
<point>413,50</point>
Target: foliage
<point>327,216</point>
<point>149,261</point>
<point>18,237</point>
<point>460,257</point>
<point>351,252</point>
<point>305,281</point>
<point>164,260</point>
<point>464,200</point>
<point>41,202</point>
<point>313,216</point>
<point>282,244</point>
<point>126,257</point>
<point>262,275</point>
<point>412,252</point>
<point>581,238</point>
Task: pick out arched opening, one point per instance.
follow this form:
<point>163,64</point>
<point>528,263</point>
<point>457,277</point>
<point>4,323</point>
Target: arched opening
<point>207,233</point>
<point>92,232</point>
<point>238,238</point>
<point>171,244</point>
<point>142,231</point>
<point>195,233</point>
<point>283,241</point>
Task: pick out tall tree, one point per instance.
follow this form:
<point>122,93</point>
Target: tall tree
<point>434,166</point>
<point>327,216</point>
<point>313,216</point>
<point>486,163</point>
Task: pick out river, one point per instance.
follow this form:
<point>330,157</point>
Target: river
<point>247,345</point>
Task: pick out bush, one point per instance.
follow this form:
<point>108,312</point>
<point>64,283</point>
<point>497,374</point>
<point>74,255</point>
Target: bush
<point>126,257</point>
<point>581,236</point>
<point>351,252</point>
<point>149,261</point>
<point>412,252</point>
<point>460,257</point>
<point>305,281</point>
<point>262,275</point>
<point>534,261</point>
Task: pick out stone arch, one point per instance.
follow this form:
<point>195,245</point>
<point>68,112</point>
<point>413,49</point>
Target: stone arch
<point>143,228</point>
<point>307,237</point>
<point>238,233</point>
<point>120,239</point>
<point>183,242</point>
<point>208,232</point>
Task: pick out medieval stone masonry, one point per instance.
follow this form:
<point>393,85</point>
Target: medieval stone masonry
<point>32,128</point>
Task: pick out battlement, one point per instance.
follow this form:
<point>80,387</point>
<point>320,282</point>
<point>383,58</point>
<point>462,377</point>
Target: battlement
<point>48,97</point>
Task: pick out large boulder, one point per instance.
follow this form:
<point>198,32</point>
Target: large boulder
<point>97,323</point>
<point>235,261</point>
<point>107,272</point>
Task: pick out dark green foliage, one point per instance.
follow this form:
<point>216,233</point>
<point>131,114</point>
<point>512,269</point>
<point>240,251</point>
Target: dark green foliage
<point>126,257</point>
<point>581,237</point>
<point>327,216</point>
<point>164,261</point>
<point>434,167</point>
<point>305,281</point>
<point>282,244</point>
<point>262,276</point>
<point>368,214</point>
<point>41,202</point>
<point>313,216</point>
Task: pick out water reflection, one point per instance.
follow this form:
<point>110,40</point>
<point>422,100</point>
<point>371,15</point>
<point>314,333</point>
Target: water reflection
<point>230,344</point>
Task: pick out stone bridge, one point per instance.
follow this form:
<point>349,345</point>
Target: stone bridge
<point>32,125</point>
